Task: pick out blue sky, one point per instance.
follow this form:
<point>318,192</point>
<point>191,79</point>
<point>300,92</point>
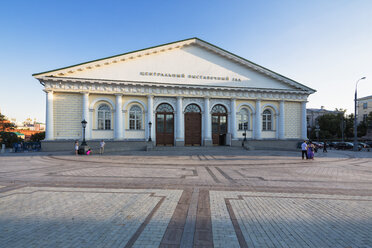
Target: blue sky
<point>326,45</point>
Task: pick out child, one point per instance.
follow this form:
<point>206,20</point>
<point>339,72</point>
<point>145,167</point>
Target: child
<point>76,147</point>
<point>89,152</point>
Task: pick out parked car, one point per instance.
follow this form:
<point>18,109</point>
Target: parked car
<point>344,146</point>
<point>333,144</point>
<point>369,143</point>
<point>364,145</point>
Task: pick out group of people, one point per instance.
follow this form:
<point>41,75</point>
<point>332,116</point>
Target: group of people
<point>308,150</point>
<point>89,152</point>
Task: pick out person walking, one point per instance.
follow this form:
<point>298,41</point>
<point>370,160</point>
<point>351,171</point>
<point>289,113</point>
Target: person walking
<point>304,150</point>
<point>101,147</point>
<point>76,147</point>
<point>325,146</point>
<point>310,151</point>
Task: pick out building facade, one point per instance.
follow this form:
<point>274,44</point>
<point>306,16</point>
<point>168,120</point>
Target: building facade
<point>192,93</point>
<point>364,107</point>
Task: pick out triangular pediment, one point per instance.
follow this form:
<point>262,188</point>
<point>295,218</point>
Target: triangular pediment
<point>188,62</point>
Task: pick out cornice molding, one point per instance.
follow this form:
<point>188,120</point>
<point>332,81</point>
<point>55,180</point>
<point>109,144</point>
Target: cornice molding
<point>97,86</point>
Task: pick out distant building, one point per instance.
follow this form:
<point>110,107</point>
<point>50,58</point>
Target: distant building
<point>364,107</point>
<point>313,114</point>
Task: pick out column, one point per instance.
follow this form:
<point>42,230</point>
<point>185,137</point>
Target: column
<point>233,129</point>
<point>303,121</point>
<point>86,117</point>
<point>180,130</point>
<point>49,129</point>
<point>207,124</point>
<point>258,125</point>
<point>118,117</point>
<point>150,110</point>
<point>281,120</point>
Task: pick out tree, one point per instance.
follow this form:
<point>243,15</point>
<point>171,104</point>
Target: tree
<point>329,125</point>
<point>363,126</point>
<point>37,137</point>
<point>9,138</point>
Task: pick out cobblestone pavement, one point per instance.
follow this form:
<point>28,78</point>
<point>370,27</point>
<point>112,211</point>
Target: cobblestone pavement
<point>194,197</point>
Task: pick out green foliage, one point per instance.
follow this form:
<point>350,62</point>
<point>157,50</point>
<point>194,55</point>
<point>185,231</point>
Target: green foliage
<point>37,137</point>
<point>9,138</point>
<point>331,126</point>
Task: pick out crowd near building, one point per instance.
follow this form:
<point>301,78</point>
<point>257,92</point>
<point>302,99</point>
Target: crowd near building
<point>185,93</point>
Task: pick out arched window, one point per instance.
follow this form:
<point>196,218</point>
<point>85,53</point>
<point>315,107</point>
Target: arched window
<point>219,109</point>
<point>266,120</point>
<point>164,108</point>
<point>192,108</point>
<point>243,119</point>
<point>135,118</point>
<point>104,117</point>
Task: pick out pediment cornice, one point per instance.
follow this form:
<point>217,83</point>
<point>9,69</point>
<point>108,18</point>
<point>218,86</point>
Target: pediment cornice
<point>149,88</point>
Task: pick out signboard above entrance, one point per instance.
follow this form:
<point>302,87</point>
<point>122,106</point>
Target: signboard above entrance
<point>182,75</point>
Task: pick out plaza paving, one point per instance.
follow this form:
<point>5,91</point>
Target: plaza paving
<point>195,197</point>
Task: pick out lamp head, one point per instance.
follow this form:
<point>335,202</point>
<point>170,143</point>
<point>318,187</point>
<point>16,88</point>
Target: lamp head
<point>363,78</point>
<point>84,123</point>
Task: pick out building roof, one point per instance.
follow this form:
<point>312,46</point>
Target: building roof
<point>190,41</point>
<point>365,98</point>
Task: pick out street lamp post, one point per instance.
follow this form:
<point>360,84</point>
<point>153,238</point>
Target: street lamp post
<point>83,147</point>
<point>150,131</point>
<point>355,116</point>
<point>84,124</point>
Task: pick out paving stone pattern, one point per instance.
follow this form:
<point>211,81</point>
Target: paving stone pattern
<point>190,197</point>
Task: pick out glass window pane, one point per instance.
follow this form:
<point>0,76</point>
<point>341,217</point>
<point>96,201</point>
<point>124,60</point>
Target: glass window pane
<point>223,126</point>
<point>100,124</point>
<point>169,123</point>
<point>138,124</point>
<point>107,124</point>
<point>214,124</point>
<point>160,123</point>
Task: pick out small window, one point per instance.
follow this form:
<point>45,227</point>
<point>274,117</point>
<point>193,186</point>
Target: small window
<point>365,105</point>
<point>243,119</point>
<point>135,118</point>
<point>267,120</point>
<point>104,117</point>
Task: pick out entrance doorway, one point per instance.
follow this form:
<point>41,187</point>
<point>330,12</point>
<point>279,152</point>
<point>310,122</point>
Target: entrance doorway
<point>192,125</point>
<point>219,125</point>
<point>164,125</point>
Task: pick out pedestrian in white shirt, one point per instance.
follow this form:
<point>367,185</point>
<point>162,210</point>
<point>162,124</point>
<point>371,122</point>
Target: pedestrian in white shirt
<point>101,147</point>
<point>304,150</point>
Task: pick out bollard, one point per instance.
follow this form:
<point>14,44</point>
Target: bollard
<point>2,148</point>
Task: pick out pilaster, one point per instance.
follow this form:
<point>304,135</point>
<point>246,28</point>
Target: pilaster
<point>258,125</point>
<point>49,123</point>
<point>207,124</point>
<point>180,139</point>
<point>303,121</point>
<point>281,120</point>
<point>119,127</point>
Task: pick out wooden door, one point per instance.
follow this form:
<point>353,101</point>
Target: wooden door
<point>164,129</point>
<point>192,129</point>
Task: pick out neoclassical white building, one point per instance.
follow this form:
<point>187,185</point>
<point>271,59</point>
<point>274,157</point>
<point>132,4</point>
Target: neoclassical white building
<point>192,92</point>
